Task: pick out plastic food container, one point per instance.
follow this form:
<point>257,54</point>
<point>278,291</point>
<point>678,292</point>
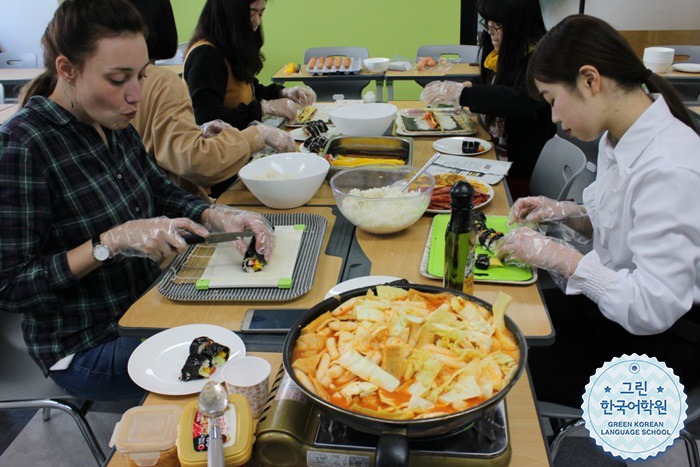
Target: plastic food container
<point>146,435</point>
<point>236,425</point>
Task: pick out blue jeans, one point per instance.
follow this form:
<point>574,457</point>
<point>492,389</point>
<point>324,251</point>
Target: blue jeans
<point>101,373</point>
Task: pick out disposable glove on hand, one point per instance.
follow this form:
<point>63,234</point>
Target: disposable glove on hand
<point>213,128</point>
<point>154,238</point>
<point>442,92</point>
<point>539,209</point>
<point>281,107</point>
<point>528,247</point>
<point>221,218</point>
<point>279,140</point>
<point>302,95</point>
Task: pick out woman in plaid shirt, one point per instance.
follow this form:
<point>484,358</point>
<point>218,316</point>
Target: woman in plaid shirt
<point>86,211</point>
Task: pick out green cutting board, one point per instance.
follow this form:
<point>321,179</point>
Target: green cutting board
<point>436,260</point>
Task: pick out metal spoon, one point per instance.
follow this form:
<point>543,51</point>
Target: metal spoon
<point>422,169</point>
<point>212,403</point>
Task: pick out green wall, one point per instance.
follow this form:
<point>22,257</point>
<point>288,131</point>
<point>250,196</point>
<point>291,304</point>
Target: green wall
<point>385,27</point>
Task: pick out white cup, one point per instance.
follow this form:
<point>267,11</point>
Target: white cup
<point>658,59</point>
<point>249,376</point>
<point>657,66</point>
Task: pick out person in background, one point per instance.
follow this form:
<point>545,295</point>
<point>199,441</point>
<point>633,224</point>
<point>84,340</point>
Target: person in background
<point>87,213</point>
<point>222,63</point>
<point>641,281</point>
<point>205,160</point>
<point>518,125</point>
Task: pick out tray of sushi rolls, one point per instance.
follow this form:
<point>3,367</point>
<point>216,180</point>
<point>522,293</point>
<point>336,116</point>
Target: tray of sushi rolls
<point>334,65</point>
<point>434,122</point>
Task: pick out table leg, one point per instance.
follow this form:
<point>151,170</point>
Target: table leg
<point>380,85</point>
<point>390,88</point>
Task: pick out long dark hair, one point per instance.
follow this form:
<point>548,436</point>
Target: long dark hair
<point>74,31</point>
<point>226,24</point>
<point>162,32</point>
<point>523,27</point>
<point>580,40</point>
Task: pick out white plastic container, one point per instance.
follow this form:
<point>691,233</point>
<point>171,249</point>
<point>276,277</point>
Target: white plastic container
<point>146,435</point>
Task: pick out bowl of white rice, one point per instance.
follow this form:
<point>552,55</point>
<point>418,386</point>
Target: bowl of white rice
<point>373,197</point>
<point>284,181</point>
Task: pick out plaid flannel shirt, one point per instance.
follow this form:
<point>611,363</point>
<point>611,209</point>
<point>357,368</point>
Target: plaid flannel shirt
<point>61,185</point>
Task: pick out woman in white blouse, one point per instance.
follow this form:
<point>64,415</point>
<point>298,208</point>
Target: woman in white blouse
<point>642,214</point>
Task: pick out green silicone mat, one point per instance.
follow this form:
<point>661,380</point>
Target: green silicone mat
<point>436,260</point>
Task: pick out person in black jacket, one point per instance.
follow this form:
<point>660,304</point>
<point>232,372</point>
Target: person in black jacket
<point>519,125</point>
<point>222,62</point>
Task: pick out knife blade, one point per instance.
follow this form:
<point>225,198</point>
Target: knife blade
<point>218,237</point>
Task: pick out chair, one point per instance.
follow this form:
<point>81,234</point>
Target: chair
<point>351,88</point>
<point>690,92</point>
<point>573,423</point>
<point>2,94</point>
<point>559,164</point>
<point>466,54</point>
<point>178,58</point>
<point>16,60</point>
<point>24,386</point>
<point>585,178</point>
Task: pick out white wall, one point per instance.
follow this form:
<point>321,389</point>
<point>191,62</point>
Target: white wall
<point>22,23</point>
<point>630,15</point>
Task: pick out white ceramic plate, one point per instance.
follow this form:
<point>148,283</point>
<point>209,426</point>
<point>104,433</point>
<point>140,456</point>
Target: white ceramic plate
<point>156,364</point>
<point>454,146</point>
<point>687,67</point>
<point>358,283</point>
<point>491,194</point>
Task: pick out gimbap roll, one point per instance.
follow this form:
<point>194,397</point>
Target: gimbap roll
<point>252,260</point>
<point>315,144</point>
<point>196,367</point>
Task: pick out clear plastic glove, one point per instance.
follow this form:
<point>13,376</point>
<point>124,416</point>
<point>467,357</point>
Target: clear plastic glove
<point>154,238</point>
<point>527,247</point>
<point>302,95</point>
<point>442,92</point>
<point>282,107</point>
<point>542,210</point>
<point>222,218</point>
<point>213,128</point>
<point>279,140</point>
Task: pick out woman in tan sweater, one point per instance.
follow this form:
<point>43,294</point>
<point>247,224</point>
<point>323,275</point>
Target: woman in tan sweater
<point>204,160</point>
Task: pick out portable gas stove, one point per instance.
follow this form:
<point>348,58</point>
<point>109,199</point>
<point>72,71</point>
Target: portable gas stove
<point>294,432</point>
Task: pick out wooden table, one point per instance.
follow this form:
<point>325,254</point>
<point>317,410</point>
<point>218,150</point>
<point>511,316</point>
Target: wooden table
<point>526,438</point>
<point>396,254</point>
<point>458,72</point>
<point>303,75</point>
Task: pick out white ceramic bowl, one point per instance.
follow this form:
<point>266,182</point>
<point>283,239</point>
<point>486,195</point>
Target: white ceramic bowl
<point>658,53</point>
<point>376,64</point>
<point>368,197</point>
<point>363,119</point>
<point>658,66</point>
<point>284,181</point>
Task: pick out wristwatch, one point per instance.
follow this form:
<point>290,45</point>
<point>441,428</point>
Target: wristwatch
<point>99,251</point>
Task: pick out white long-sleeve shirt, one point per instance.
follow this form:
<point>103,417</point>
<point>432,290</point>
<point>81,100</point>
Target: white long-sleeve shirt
<point>644,269</point>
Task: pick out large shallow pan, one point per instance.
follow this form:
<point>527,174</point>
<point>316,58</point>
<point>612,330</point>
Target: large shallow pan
<point>392,448</point>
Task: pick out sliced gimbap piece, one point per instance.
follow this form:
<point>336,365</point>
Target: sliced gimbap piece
<point>196,367</point>
<point>252,260</point>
